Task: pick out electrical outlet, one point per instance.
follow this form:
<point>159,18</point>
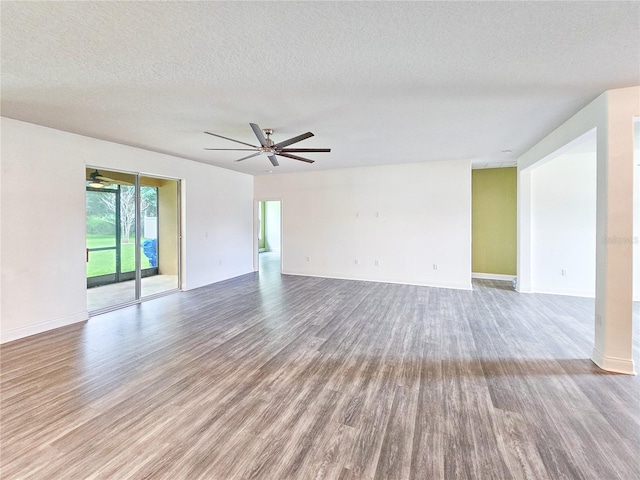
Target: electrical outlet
<point>563,272</point>
<point>435,266</point>
<point>376,263</point>
<point>355,262</point>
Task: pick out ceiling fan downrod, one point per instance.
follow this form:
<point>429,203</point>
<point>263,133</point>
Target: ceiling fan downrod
<point>268,148</point>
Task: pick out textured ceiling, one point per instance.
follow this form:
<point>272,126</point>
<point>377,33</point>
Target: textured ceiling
<point>378,83</point>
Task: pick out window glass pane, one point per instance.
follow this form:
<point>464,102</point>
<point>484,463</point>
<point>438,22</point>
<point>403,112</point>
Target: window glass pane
<point>159,240</point>
<point>110,233</point>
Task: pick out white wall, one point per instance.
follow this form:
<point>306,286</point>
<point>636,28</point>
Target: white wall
<point>405,217</point>
<point>1,175</point>
<point>43,221</point>
<point>636,211</point>
<point>272,226</point>
<point>563,225</point>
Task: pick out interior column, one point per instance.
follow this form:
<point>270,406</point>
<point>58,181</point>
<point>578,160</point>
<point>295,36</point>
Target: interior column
<point>524,231</point>
<point>613,350</point>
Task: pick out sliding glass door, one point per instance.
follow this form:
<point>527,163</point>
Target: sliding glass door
<point>132,238</point>
<point>160,235</point>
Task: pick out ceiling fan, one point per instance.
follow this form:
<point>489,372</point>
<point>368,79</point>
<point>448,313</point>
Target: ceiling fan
<point>100,181</point>
<point>270,148</point>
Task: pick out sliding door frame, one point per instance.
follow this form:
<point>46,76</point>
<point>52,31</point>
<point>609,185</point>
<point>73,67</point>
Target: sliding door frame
<point>138,235</point>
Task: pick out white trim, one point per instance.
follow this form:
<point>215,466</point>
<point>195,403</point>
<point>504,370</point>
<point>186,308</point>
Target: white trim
<point>493,276</point>
<point>227,276</point>
<point>41,327</point>
<point>450,285</point>
<point>565,293</point>
<point>612,364</point>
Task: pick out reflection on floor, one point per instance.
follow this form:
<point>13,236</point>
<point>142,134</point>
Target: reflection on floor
<point>124,292</point>
<point>269,263</point>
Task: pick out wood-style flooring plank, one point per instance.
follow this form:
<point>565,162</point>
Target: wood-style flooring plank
<point>270,376</point>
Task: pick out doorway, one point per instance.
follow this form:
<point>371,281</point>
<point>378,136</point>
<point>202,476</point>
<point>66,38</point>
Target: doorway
<point>269,237</point>
<point>132,238</point>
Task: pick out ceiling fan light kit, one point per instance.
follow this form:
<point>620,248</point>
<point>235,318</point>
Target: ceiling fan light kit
<point>100,181</point>
<point>269,148</point>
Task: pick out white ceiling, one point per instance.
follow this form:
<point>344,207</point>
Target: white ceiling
<point>379,83</point>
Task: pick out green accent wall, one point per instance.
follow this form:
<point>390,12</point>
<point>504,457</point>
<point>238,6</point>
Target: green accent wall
<point>493,220</point>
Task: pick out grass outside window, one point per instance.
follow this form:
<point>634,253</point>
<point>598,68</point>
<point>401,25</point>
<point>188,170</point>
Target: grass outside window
<point>104,262</point>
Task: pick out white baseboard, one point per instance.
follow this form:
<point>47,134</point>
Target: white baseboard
<point>451,285</point>
<point>566,293</point>
<point>36,328</point>
<point>612,364</point>
<point>227,276</point>
<point>493,276</point>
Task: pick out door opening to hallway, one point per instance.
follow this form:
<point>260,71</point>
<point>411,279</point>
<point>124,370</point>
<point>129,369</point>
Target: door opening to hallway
<point>269,237</point>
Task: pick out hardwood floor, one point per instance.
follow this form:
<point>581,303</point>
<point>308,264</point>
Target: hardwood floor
<point>275,377</point>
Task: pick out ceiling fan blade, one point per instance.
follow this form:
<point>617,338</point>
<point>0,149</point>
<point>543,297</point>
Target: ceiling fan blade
<point>227,138</point>
<point>234,149</point>
<point>248,156</point>
<point>109,181</point>
<point>258,131</point>
<point>293,140</point>
<point>274,160</point>
<point>295,157</point>
<point>307,150</point>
